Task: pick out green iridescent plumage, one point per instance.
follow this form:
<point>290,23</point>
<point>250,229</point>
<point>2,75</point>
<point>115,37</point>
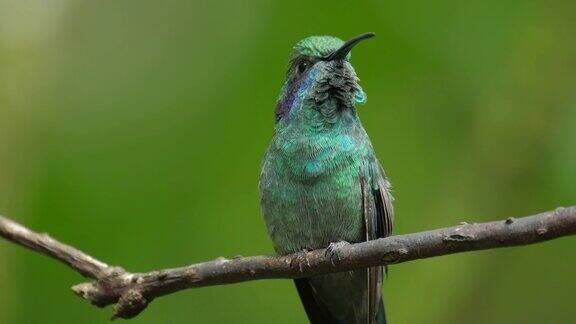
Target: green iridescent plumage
<point>316,46</point>
<point>321,181</point>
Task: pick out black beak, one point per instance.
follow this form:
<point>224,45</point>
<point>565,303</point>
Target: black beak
<point>341,53</point>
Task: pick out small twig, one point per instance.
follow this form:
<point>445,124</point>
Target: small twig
<point>132,292</point>
<point>43,243</point>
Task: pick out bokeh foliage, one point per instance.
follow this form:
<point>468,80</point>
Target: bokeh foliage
<point>135,129</point>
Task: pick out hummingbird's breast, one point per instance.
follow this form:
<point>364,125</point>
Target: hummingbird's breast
<point>309,158</point>
<point>310,189</point>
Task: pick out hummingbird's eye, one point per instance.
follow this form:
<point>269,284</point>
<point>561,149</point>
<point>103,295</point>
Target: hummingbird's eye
<point>303,66</point>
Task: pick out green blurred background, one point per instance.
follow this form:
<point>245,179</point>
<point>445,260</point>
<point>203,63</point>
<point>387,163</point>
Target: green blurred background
<point>134,130</point>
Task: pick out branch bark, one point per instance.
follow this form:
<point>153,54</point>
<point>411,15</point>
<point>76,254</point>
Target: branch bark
<point>132,292</point>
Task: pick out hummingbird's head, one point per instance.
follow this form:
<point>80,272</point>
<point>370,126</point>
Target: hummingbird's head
<point>321,77</point>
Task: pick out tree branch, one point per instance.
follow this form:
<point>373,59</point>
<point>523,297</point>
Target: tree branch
<point>132,292</point>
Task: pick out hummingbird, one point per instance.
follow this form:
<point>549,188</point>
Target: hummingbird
<point>321,185</point>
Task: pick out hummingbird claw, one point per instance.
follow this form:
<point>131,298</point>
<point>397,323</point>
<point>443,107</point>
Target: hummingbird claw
<point>334,251</point>
<point>301,258</point>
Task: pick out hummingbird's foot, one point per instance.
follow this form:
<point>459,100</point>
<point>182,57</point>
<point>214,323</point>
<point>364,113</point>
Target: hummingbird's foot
<point>301,258</point>
<point>334,251</point>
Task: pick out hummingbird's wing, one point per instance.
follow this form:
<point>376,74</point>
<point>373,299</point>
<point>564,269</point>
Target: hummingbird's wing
<point>376,201</point>
<point>383,200</point>
<point>378,219</point>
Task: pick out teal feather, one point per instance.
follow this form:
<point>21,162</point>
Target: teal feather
<point>360,96</point>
